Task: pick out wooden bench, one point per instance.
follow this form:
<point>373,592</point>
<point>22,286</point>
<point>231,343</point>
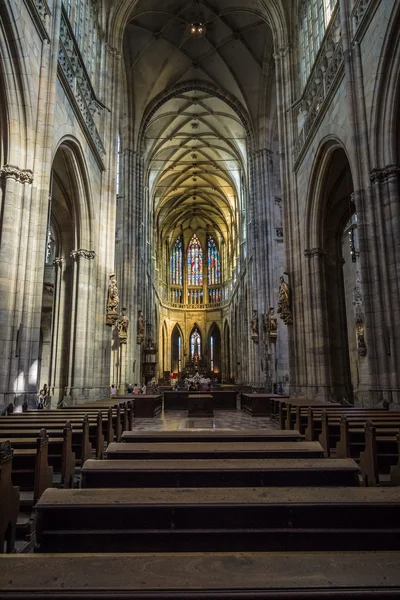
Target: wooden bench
<point>257,405</point>
<point>211,576</point>
<point>219,473</point>
<point>315,424</point>
<point>80,436</point>
<point>207,450</point>
<point>289,413</point>
<point>200,405</point>
<point>352,436</point>
<point>9,500</point>
<point>331,427</point>
<point>220,435</point>
<point>218,519</point>
<point>380,454</point>
<point>222,399</point>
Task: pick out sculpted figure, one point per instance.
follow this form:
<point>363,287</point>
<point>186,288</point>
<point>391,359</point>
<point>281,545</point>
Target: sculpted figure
<point>272,323</point>
<point>284,302</point>
<point>254,324</point>
<point>123,323</point>
<point>140,327</point>
<point>112,301</point>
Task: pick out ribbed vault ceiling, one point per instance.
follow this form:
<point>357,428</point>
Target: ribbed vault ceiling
<point>195,144</point>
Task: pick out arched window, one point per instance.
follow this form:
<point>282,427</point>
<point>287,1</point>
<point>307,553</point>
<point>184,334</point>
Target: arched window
<point>214,262</point>
<point>84,18</point>
<point>195,262</point>
<point>314,17</point>
<point>176,262</point>
<point>195,345</point>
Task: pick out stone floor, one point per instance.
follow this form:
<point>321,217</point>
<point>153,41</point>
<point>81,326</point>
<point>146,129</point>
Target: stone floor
<point>173,420</point>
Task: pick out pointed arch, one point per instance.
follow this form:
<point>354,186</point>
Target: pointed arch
<point>214,350</point>
<point>176,262</point>
<point>177,344</point>
<point>196,343</point>
<point>195,261</point>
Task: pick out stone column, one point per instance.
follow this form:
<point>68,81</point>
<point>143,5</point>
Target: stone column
<point>81,356</point>
<point>58,340</point>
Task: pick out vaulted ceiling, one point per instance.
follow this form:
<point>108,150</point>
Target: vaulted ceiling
<point>196,143</point>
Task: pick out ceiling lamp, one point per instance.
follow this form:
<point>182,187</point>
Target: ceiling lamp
<point>196,30</point>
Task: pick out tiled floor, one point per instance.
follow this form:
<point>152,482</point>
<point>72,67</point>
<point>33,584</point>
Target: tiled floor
<point>173,420</point>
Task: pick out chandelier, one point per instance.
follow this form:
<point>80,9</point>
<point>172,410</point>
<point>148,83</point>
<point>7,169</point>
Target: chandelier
<point>196,30</point>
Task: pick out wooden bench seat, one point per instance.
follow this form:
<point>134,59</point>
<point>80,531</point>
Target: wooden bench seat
<point>9,499</point>
<point>331,427</point>
<point>298,416</point>
<point>216,450</point>
<point>352,436</point>
<point>219,473</point>
<point>381,453</point>
<point>196,576</point>
<point>218,519</point>
<point>315,419</point>
<point>221,435</point>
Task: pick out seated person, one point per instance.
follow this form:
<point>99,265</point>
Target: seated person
<point>113,390</point>
<point>136,389</point>
<point>129,389</point>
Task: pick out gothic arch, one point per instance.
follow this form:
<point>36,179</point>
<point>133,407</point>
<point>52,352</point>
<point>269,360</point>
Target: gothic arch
<point>316,196</point>
<point>17,107</point>
<point>81,205</point>
<point>272,11</point>
<point>385,115</point>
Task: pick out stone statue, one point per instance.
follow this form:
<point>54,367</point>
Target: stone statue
<point>361,345</point>
<point>284,302</point>
<point>272,324</point>
<point>122,324</point>
<point>112,301</point>
<point>140,327</point>
<point>254,327</point>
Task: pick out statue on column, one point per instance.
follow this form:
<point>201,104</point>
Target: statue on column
<point>140,327</point>
<point>122,325</point>
<point>112,301</point>
<point>272,325</point>
<point>254,327</point>
<point>284,302</point>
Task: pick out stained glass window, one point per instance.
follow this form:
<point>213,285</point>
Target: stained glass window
<point>195,262</point>
<point>176,277</point>
<point>195,345</point>
<point>214,262</point>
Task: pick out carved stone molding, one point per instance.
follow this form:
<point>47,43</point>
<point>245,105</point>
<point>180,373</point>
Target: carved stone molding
<point>82,253</point>
<point>59,261</point>
<point>21,175</point>
<point>381,175</point>
<point>113,51</point>
<point>314,252</point>
<point>6,451</point>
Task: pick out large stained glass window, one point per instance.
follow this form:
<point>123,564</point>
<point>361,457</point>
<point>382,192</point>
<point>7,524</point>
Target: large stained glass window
<point>195,262</point>
<point>176,264</point>
<point>214,262</point>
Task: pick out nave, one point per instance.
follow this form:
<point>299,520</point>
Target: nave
<point>229,506</point>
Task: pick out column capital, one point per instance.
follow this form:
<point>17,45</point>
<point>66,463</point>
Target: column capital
<point>21,175</point>
<point>82,253</point>
<point>314,252</point>
<point>388,172</point>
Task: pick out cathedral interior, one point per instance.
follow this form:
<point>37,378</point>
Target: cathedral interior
<point>200,194</point>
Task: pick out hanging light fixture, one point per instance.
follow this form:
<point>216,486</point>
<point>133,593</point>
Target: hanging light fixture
<point>196,30</point>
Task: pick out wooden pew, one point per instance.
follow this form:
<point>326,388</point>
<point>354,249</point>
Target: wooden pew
<point>352,436</point>
<point>381,452</point>
<point>314,418</point>
<point>331,423</point>
<point>212,576</point>
<point>219,473</point>
<point>83,431</point>
<point>186,436</point>
<point>395,470</point>
<point>206,450</point>
<point>218,519</point>
<point>9,500</point>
